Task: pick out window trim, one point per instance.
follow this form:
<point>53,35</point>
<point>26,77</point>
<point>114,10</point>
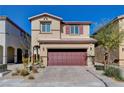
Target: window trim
<point>41,27</point>
<point>74,30</point>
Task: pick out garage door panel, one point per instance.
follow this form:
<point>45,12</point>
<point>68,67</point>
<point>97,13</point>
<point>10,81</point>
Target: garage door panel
<point>67,57</point>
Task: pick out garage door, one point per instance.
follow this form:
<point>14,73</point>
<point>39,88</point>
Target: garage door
<point>65,57</point>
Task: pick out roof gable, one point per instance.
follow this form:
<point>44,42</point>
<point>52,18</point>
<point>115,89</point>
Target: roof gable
<point>45,14</point>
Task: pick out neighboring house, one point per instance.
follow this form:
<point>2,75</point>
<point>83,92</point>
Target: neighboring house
<point>117,56</point>
<point>57,42</point>
<point>14,42</point>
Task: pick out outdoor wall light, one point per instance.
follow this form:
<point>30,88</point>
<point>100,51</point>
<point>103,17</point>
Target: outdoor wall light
<point>90,48</point>
<point>123,49</point>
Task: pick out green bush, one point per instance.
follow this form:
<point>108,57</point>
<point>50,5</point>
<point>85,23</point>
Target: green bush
<point>99,67</point>
<point>31,77</point>
<point>114,72</point>
<point>14,74</point>
<point>24,72</point>
<point>3,67</point>
<point>34,70</point>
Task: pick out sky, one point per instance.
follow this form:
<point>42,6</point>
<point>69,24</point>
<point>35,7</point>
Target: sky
<point>95,14</point>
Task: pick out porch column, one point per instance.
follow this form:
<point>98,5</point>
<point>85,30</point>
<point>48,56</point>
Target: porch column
<point>90,54</point>
<point>15,56</point>
<point>32,54</point>
<point>4,55</point>
<point>89,61</point>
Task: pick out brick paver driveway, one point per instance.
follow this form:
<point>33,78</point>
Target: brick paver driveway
<point>68,76</point>
<point>58,76</point>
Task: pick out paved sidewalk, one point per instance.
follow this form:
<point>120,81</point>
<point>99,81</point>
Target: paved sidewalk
<point>108,81</point>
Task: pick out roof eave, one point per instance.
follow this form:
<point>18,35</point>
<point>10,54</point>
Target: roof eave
<point>67,42</point>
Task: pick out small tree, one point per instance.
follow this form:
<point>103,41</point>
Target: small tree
<point>109,37</point>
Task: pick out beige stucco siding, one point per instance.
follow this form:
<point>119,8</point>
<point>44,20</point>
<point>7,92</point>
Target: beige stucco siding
<point>2,33</point>
<point>2,26</point>
<point>86,29</point>
<point>55,28</point>
<point>10,38</point>
<point>37,34</point>
<point>35,24</point>
<point>12,35</point>
<point>121,47</point>
<point>2,42</point>
<point>121,55</point>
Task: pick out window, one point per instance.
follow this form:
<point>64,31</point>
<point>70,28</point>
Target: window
<point>74,29</point>
<point>45,27</point>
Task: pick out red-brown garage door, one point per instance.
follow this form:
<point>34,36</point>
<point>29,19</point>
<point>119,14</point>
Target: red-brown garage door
<point>65,57</point>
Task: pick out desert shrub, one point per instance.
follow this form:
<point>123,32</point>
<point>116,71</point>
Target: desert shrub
<point>42,66</point>
<point>99,67</point>
<point>34,70</point>
<point>3,67</point>
<point>25,61</point>
<point>31,77</point>
<point>24,72</point>
<point>114,72</point>
<point>18,70</point>
<point>14,74</point>
<point>41,63</point>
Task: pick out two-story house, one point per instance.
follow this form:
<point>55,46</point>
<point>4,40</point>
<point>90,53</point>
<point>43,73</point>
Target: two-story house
<point>14,41</point>
<point>61,43</point>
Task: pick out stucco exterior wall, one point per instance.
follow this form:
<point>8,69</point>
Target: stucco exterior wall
<point>86,29</point>
<point>2,32</point>
<point>3,41</point>
<point>37,34</point>
<point>10,37</point>
<point>55,28</point>
<point>121,47</point>
<point>99,54</point>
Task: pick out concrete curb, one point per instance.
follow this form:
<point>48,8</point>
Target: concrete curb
<point>4,73</point>
<point>106,85</point>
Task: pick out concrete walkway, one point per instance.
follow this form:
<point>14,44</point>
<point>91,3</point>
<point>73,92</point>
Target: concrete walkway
<point>56,76</point>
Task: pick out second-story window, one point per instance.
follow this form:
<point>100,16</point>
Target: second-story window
<point>74,29</point>
<point>45,27</point>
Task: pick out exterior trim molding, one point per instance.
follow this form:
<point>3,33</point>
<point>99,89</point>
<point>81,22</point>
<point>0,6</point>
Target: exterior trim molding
<point>66,41</point>
<point>121,59</point>
<point>35,30</point>
<point>55,29</point>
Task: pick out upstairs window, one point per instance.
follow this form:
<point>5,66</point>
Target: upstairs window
<point>45,27</point>
<point>74,29</point>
